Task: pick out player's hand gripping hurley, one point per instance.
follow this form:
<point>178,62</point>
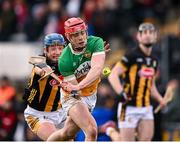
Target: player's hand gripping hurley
<point>40,62</point>
<point>167,98</point>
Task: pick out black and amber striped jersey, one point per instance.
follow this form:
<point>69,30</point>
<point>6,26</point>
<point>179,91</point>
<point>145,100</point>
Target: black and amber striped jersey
<point>43,95</point>
<point>139,73</point>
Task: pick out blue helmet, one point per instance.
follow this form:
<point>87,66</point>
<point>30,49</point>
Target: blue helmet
<point>54,39</point>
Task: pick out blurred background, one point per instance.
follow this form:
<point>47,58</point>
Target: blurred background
<point>24,23</point>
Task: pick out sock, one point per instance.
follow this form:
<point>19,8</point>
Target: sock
<point>109,130</point>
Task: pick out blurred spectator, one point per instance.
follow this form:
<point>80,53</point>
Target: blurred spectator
<point>104,18</point>
<point>161,9</point>
<point>31,3</point>
<point>88,9</point>
<point>34,26</point>
<point>6,90</point>
<point>7,20</point>
<point>73,8</point>
<point>143,9</point>
<point>99,19</point>
<point>21,11</point>
<point>55,17</point>
<point>8,117</point>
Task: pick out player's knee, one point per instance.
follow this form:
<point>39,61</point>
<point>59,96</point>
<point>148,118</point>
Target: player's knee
<point>92,131</point>
<point>145,138</point>
<point>70,133</point>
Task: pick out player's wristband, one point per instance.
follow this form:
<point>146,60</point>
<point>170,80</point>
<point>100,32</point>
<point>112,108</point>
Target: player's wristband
<point>41,65</point>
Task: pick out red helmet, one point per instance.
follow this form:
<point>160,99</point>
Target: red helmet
<point>73,25</point>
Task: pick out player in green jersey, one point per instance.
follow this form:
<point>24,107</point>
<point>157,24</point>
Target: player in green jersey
<point>81,64</point>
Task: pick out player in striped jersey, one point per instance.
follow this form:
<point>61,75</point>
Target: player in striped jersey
<point>44,113</point>
<point>137,70</point>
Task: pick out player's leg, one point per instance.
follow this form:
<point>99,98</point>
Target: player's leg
<point>145,130</point>
<point>110,129</point>
<point>78,110</point>
<point>52,122</point>
<point>42,132</point>
<point>39,126</point>
<point>68,132</point>
<point>82,117</point>
<point>127,122</point>
<point>127,134</point>
<point>146,125</point>
<point>39,122</point>
<point>114,135</point>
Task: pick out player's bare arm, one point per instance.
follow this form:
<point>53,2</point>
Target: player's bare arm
<point>70,84</point>
<point>92,75</point>
<point>155,93</point>
<point>114,78</point>
<point>97,64</point>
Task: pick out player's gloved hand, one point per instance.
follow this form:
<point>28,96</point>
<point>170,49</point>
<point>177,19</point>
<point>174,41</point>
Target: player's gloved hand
<point>123,97</point>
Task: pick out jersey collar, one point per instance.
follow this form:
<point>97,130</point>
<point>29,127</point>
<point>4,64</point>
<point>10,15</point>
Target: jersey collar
<point>74,52</point>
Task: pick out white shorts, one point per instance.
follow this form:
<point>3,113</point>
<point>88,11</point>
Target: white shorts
<point>34,118</point>
<point>89,101</point>
<point>129,116</point>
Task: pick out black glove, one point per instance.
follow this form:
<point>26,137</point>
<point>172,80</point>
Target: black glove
<point>123,97</point>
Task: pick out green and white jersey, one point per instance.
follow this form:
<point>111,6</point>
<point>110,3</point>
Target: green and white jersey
<point>76,65</point>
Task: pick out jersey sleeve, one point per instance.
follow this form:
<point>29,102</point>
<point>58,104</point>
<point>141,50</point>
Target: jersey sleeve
<point>99,46</point>
<point>125,62</point>
<point>65,69</point>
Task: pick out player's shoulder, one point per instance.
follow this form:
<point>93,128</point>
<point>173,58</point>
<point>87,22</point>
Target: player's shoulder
<point>94,38</point>
<point>131,52</point>
<point>129,55</point>
<point>95,44</point>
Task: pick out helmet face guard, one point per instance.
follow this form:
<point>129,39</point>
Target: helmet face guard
<point>74,25</point>
<point>150,27</point>
<point>146,26</point>
<point>54,39</point>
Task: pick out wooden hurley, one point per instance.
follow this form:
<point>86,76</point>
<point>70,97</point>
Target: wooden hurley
<point>167,98</point>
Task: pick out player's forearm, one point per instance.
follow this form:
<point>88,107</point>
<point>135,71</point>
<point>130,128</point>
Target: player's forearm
<point>115,82</point>
<point>114,78</point>
<point>94,73</point>
<point>155,93</point>
<point>157,96</point>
